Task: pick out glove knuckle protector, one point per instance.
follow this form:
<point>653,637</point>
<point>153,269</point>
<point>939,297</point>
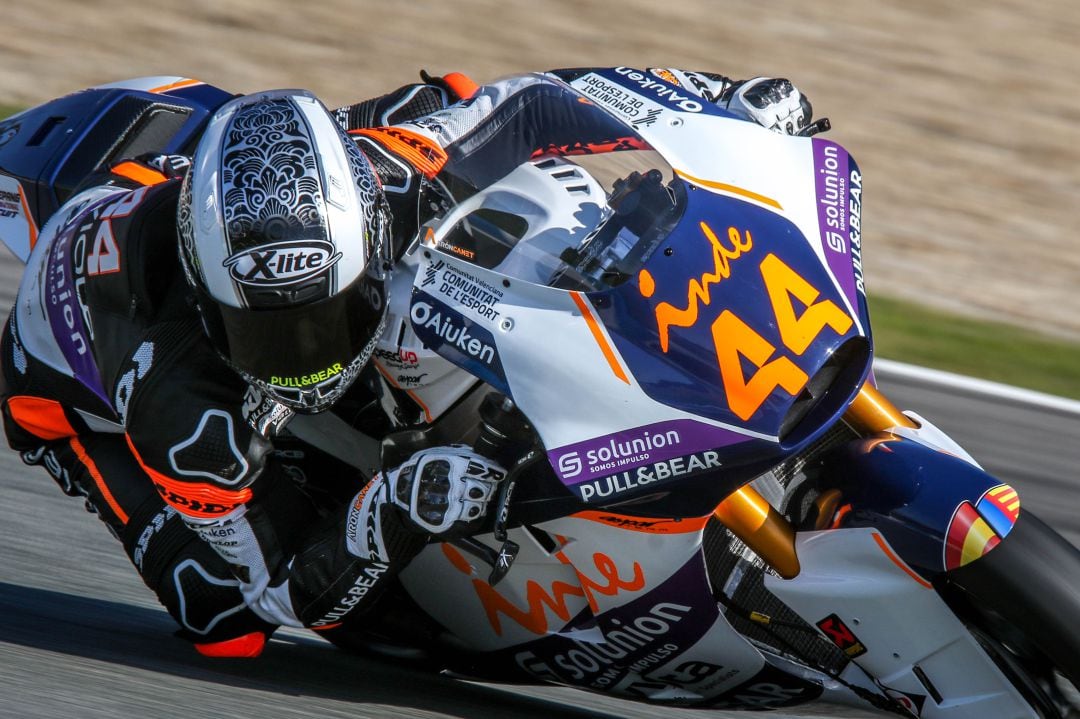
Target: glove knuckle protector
<point>773,103</point>
<point>444,488</point>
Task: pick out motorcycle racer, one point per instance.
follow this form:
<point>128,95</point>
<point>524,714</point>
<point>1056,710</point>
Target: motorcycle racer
<point>163,392</point>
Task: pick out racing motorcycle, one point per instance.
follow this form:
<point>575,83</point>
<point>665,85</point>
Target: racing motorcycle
<point>663,333</point>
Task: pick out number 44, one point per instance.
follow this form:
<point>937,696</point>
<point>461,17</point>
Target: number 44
<point>733,339</point>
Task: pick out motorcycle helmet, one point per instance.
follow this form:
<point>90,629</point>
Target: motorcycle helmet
<point>283,237</point>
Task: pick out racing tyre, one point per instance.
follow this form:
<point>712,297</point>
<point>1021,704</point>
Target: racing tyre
<point>1021,601</point>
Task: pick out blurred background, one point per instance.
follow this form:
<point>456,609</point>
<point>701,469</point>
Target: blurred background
<point>963,116</point>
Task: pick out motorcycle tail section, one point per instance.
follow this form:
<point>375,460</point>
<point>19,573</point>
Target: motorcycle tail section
<point>47,151</point>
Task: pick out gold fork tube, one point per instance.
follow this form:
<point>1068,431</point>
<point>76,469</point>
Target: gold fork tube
<point>767,532</point>
<point>762,528</point>
<point>872,412</point>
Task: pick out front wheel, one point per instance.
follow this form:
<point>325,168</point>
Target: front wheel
<point>1021,602</point>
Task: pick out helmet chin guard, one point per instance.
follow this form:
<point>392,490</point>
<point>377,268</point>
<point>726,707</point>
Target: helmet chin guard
<point>320,392</point>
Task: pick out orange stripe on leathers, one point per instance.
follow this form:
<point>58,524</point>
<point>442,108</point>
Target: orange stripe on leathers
<point>43,418</point>
<point>421,152</point>
<point>193,499</point>
<point>95,473</point>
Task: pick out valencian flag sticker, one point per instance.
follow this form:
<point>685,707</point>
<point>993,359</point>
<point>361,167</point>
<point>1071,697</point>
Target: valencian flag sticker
<point>976,529</point>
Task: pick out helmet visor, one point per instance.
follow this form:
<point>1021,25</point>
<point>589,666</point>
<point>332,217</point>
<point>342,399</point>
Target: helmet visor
<point>303,356</point>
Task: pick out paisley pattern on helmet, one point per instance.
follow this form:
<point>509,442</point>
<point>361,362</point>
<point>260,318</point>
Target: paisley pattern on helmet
<point>270,181</point>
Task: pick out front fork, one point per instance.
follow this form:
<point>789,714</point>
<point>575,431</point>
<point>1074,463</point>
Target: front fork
<point>767,532</point>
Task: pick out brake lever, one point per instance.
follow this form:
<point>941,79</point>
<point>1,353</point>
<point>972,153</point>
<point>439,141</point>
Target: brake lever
<point>509,549</point>
<point>500,560</point>
<point>815,127</point>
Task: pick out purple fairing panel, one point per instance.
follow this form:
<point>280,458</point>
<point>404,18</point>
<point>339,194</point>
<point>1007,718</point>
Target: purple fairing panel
<point>833,182</point>
<point>838,189</point>
<point>636,447</point>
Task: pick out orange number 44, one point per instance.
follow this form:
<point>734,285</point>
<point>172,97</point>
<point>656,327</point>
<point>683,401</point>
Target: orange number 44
<point>734,339</point>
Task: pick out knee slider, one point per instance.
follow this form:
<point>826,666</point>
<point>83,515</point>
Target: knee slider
<point>192,581</point>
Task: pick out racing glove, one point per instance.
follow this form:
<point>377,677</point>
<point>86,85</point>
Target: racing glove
<point>441,491</point>
<point>774,103</point>
<point>445,490</point>
<point>409,102</point>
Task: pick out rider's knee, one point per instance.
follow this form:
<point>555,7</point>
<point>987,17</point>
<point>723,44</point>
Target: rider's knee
<point>196,587</point>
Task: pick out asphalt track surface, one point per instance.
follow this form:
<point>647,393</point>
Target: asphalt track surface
<point>80,636</point>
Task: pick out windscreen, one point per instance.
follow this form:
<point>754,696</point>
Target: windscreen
<point>561,193</point>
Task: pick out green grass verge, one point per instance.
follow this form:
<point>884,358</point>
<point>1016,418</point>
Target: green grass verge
<point>1000,352</point>
<point>990,350</point>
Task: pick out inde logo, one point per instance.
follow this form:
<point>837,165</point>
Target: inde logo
<point>739,346</point>
<point>282,263</point>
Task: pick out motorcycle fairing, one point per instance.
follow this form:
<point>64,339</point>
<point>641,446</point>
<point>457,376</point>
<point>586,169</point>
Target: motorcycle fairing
<point>913,642</point>
<point>46,151</point>
<point>637,621</point>
<point>551,348</point>
<point>938,511</point>
<point>555,584</point>
<point>745,160</point>
<point>774,357</point>
<point>731,300</point>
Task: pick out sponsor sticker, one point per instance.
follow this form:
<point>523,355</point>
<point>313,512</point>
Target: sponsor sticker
<point>282,263</point>
<point>656,472</point>
<point>635,639</point>
<point>842,636</point>
<point>838,186</point>
<point>639,111</point>
<point>457,338</point>
<point>686,441</point>
<point>400,359</point>
<point>671,95</point>
<point>462,290</point>
<point>10,204</point>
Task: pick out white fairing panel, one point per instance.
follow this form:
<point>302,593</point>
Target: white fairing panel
<point>609,595</point>
<point>35,291</point>
<point>539,332</point>
<point>898,628</point>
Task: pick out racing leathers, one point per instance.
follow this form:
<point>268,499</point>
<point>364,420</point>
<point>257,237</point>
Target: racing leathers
<point>111,384</point>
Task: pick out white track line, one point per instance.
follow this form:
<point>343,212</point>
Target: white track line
<point>889,368</point>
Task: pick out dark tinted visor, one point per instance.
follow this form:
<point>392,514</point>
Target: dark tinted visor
<point>298,347</point>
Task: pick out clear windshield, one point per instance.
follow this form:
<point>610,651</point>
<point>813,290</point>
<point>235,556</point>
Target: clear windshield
<point>584,210</point>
